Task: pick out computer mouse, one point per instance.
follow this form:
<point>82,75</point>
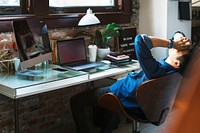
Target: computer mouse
<point>106,61</point>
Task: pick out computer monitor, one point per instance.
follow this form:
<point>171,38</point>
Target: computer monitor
<point>32,41</point>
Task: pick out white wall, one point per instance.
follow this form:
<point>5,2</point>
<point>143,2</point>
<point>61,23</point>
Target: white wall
<point>176,24</point>
<point>152,17</point>
<point>160,18</point>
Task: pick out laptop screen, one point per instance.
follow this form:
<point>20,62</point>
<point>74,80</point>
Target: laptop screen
<point>71,51</point>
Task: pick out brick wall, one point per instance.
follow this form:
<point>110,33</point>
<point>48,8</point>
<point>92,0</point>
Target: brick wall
<point>6,115</point>
<point>39,113</point>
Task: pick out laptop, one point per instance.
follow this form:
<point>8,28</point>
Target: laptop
<point>72,54</point>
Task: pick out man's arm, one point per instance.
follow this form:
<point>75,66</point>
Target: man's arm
<point>182,43</point>
<point>150,66</point>
<point>159,42</point>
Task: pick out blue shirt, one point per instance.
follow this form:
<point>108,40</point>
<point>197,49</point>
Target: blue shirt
<point>125,89</point>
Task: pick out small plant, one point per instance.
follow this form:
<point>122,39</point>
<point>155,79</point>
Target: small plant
<point>102,38</point>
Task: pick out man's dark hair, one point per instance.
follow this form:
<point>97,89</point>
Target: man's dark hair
<point>185,59</point>
<point>183,62</point>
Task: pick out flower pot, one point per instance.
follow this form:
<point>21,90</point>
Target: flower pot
<point>92,50</point>
<point>102,52</point>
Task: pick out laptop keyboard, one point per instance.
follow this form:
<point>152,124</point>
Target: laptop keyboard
<point>87,66</point>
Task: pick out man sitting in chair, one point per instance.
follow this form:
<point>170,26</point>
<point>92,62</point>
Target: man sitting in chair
<point>125,88</point>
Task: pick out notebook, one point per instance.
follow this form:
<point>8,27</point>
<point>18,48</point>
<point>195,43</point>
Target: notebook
<point>72,54</point>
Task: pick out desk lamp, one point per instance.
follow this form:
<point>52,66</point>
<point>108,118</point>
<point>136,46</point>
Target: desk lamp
<point>86,20</point>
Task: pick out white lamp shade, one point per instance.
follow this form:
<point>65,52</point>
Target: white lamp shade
<point>88,19</point>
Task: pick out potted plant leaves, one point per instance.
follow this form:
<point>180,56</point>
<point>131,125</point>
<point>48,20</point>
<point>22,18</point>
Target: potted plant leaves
<point>102,39</point>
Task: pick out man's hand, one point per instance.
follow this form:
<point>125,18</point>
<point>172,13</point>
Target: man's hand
<point>182,43</point>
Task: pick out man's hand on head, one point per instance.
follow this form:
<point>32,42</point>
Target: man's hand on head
<point>182,43</point>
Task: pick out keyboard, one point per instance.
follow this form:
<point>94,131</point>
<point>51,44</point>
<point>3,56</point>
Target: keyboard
<point>87,66</point>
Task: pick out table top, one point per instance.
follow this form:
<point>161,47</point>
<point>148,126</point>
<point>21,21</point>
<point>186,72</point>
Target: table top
<point>20,84</point>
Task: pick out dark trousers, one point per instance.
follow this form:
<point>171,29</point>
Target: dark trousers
<point>80,102</point>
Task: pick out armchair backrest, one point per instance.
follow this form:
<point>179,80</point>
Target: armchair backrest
<point>156,97</point>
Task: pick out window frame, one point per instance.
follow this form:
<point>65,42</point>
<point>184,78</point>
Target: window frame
<point>37,10</point>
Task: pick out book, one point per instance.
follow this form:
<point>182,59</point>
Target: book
<point>117,56</point>
<point>117,59</point>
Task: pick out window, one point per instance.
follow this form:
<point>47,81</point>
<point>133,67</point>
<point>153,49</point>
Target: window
<point>195,3</point>
<point>10,2</point>
<point>69,6</point>
<point>64,13</point>
<point>8,7</point>
<point>80,3</point>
